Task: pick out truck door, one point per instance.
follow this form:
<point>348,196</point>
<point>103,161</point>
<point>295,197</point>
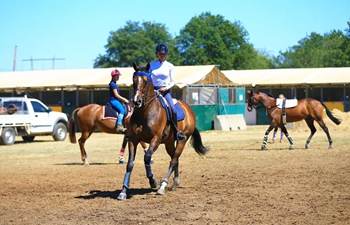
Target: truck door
<point>41,118</point>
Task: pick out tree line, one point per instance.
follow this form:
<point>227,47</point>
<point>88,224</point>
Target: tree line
<point>211,40</point>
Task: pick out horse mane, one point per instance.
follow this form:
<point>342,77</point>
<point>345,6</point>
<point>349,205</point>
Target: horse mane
<point>268,94</point>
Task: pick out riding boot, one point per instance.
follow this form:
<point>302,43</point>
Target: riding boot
<point>180,136</point>
<point>119,125</point>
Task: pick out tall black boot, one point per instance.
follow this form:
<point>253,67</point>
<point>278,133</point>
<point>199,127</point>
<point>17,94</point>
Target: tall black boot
<point>180,136</point>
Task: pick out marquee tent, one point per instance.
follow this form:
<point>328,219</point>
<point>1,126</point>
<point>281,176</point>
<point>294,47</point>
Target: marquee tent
<point>97,78</point>
<point>290,77</point>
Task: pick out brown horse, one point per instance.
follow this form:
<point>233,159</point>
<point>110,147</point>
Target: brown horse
<point>307,109</point>
<point>89,119</point>
<point>149,123</point>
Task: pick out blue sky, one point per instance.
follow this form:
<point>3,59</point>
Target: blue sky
<point>77,31</point>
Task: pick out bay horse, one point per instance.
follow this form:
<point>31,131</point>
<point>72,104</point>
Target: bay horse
<point>149,123</point>
<point>307,109</point>
<point>89,119</point>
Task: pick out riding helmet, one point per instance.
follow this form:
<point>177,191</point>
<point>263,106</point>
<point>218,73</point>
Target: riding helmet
<point>162,48</point>
<point>115,72</point>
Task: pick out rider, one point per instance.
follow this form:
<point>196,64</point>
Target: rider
<point>163,78</point>
<point>116,99</point>
<point>281,96</point>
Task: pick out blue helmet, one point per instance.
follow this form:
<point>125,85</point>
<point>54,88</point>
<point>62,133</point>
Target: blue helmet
<point>162,48</point>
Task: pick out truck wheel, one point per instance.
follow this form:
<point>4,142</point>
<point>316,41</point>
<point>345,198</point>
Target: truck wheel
<point>60,132</point>
<point>28,138</point>
<point>8,136</point>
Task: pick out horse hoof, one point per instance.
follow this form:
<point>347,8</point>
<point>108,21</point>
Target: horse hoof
<point>153,183</point>
<point>263,147</point>
<point>161,191</point>
<point>172,188</point>
<point>121,162</point>
<point>122,196</point>
<point>291,148</point>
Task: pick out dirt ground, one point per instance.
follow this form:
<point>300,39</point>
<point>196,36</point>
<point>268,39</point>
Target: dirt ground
<point>235,183</point>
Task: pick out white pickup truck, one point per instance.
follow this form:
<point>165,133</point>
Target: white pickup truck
<point>29,117</point>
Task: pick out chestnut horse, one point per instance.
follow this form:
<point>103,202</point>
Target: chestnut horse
<point>89,119</point>
<point>307,109</point>
<point>149,123</point>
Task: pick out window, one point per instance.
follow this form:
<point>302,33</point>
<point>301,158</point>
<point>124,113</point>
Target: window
<point>38,107</point>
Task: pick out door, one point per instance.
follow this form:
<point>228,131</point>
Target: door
<point>41,118</point>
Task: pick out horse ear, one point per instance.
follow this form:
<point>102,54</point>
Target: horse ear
<point>134,65</point>
<point>148,66</point>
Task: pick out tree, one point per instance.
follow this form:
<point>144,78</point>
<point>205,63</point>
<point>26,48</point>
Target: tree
<point>316,51</point>
<point>134,43</point>
<point>212,40</point>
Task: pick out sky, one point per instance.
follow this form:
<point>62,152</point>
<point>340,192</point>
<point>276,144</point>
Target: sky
<point>74,32</point>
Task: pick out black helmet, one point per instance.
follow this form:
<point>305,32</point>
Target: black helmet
<point>162,48</point>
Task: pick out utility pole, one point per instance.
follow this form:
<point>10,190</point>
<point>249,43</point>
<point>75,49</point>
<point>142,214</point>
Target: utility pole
<point>14,59</point>
<point>46,59</point>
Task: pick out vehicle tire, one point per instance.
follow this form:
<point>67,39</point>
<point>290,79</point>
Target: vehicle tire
<point>28,138</point>
<point>8,136</point>
<point>60,132</point>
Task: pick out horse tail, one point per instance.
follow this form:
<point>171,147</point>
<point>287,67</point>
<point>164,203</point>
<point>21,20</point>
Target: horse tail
<point>196,142</point>
<point>330,115</point>
<point>71,127</point>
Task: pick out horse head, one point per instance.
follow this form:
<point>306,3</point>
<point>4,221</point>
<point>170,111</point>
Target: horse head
<point>142,82</point>
<point>252,101</point>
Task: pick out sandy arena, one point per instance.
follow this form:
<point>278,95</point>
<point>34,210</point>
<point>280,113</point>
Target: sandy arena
<point>235,183</point>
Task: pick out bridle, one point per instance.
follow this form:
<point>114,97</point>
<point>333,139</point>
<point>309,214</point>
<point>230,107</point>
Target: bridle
<point>144,93</point>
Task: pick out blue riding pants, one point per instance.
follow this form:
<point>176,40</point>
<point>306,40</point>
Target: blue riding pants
<point>169,99</point>
<point>117,105</point>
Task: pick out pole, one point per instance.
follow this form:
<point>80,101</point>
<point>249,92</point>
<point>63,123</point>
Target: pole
<point>14,59</point>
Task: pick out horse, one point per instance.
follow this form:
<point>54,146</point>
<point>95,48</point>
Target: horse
<point>90,118</point>
<point>150,123</point>
<point>307,109</point>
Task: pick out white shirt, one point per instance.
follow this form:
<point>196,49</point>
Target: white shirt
<point>163,74</point>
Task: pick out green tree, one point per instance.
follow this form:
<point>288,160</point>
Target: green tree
<point>212,40</point>
<point>134,43</point>
<point>317,51</point>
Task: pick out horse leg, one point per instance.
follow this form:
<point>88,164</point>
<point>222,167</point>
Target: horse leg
<point>174,165</point>
<point>310,123</point>
<point>144,146</point>
<point>266,136</point>
<point>129,168</point>
<point>291,142</point>
<point>147,161</point>
<point>122,150</point>
<point>84,136</point>
<point>325,129</point>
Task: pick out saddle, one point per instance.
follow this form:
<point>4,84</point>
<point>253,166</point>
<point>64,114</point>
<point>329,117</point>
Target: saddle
<point>285,103</point>
<point>180,113</point>
<point>110,113</point>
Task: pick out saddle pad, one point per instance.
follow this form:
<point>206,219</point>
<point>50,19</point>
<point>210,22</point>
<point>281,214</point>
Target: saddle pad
<point>109,113</point>
<point>180,113</point>
<point>290,103</point>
